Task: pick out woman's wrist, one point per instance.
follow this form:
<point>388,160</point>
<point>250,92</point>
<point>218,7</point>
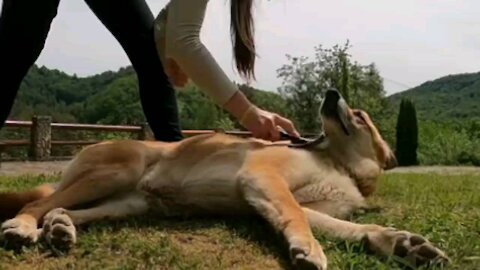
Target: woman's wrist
<point>238,105</point>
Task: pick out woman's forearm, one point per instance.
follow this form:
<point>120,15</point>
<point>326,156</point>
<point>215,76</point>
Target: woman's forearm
<point>183,45</point>
<point>238,105</point>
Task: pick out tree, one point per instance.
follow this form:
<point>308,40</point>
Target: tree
<point>407,134</point>
<point>305,80</point>
<point>119,104</point>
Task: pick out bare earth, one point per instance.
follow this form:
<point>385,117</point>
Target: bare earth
<point>55,167</point>
<point>29,167</point>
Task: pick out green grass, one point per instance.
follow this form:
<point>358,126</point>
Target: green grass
<point>446,209</point>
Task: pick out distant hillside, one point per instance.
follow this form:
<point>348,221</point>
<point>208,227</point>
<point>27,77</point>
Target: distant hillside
<point>53,92</point>
<point>453,97</point>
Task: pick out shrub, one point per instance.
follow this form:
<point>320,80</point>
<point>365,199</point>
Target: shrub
<point>407,134</point>
<point>442,144</point>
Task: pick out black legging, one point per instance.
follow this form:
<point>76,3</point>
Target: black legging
<point>24,26</point>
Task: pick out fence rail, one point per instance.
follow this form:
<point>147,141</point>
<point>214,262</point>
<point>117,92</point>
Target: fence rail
<point>40,143</point>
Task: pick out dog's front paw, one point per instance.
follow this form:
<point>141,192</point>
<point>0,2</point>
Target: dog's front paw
<point>18,232</point>
<point>59,231</point>
<point>308,258</point>
<point>414,248</point>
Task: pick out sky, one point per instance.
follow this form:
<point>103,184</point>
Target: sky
<point>410,41</point>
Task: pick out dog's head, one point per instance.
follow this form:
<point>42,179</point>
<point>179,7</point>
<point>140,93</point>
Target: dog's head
<point>354,141</point>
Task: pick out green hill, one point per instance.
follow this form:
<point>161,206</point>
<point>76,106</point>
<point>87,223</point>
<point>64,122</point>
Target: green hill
<point>65,97</point>
<point>453,97</point>
<point>112,98</point>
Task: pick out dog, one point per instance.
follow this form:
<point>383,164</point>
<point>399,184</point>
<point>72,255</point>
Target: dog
<point>296,190</point>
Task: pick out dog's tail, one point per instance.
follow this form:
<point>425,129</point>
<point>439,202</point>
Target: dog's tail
<point>12,202</point>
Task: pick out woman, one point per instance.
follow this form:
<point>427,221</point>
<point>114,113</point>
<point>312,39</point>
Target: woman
<point>24,26</point>
<point>177,34</point>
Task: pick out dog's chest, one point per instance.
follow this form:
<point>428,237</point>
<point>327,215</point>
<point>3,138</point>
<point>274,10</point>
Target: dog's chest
<point>315,180</point>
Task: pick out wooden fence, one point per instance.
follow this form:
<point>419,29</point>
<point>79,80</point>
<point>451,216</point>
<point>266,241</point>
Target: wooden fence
<point>41,127</point>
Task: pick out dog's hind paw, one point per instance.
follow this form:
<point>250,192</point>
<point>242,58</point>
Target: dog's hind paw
<point>413,248</point>
<point>59,231</point>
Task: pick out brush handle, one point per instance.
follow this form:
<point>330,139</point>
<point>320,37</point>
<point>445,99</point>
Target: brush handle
<point>294,140</point>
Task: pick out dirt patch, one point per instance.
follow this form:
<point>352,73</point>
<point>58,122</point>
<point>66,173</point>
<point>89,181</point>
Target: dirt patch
<point>31,167</point>
<point>444,170</point>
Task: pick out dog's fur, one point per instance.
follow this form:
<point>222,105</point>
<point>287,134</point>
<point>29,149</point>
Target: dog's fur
<point>295,190</point>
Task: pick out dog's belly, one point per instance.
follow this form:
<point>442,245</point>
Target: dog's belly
<point>210,186</point>
<point>210,197</point>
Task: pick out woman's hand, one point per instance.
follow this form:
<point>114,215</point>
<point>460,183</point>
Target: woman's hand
<point>266,125</point>
<point>176,75</point>
<point>263,124</point>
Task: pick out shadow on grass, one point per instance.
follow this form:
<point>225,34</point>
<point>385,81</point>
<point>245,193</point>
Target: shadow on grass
<point>251,228</point>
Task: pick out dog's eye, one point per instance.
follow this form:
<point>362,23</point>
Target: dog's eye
<point>359,118</point>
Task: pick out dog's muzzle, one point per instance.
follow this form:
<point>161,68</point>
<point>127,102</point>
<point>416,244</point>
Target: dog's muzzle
<point>333,106</point>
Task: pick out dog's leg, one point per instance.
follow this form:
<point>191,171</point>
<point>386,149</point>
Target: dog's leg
<point>90,187</point>
<point>59,224</point>
<point>268,193</point>
<point>384,241</point>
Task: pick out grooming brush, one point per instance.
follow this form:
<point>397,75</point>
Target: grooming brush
<point>302,142</point>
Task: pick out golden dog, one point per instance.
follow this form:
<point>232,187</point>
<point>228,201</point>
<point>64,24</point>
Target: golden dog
<point>294,189</point>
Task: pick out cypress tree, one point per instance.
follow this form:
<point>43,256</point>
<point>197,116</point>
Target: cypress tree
<point>407,134</point>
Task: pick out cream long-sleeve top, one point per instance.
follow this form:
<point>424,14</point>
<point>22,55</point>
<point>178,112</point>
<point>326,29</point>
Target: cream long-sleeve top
<point>177,36</point>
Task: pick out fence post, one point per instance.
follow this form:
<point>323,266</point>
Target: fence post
<point>40,138</point>
<point>146,133</point>
<point>2,149</point>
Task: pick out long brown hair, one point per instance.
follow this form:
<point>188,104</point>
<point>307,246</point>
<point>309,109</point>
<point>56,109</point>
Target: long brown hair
<point>242,34</point>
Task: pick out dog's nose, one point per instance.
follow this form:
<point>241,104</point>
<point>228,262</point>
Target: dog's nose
<point>332,93</point>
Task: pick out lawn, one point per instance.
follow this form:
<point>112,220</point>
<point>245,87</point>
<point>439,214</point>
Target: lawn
<point>446,209</point>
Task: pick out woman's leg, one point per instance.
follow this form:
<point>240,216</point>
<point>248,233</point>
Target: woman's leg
<point>24,26</point>
<point>131,22</point>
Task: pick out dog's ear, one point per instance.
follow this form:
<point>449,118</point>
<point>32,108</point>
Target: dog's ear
<point>390,162</point>
<point>386,157</point>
